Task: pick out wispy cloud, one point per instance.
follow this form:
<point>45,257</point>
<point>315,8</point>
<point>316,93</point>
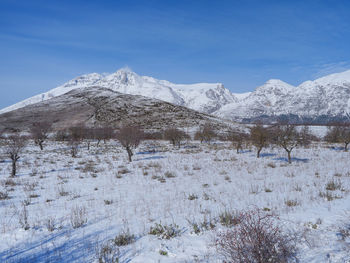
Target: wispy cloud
<point>330,68</point>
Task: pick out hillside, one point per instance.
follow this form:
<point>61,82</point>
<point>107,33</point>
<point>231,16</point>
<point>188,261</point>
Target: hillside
<point>99,106</point>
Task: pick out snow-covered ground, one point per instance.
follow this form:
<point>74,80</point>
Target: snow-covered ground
<point>193,184</point>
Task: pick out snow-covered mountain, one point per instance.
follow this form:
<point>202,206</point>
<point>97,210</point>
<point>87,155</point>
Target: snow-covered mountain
<point>321,100</point>
<point>96,106</point>
<point>204,97</point>
<point>326,98</point>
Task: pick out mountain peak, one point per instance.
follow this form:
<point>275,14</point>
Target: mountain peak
<point>276,82</point>
<point>274,85</point>
<point>332,79</point>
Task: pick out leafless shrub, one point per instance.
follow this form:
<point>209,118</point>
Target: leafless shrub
<point>4,195</point>
<point>238,139</point>
<point>76,135</point>
<point>62,135</point>
<point>165,231</point>
<point>103,133</point>
<point>89,167</point>
<point>306,137</point>
<point>124,239</point>
<point>333,185</point>
<point>339,133</point>
<point>107,252</point>
<point>10,182</point>
<point>229,219</point>
<point>256,239</point>
<point>192,197</point>
<point>23,218</point>
<point>205,133</point>
<point>108,202</point>
<point>39,132</point>
<point>50,224</point>
<point>291,203</point>
<point>62,191</point>
<point>175,136</point>
<point>271,165</point>
<point>130,138</point>
<point>344,230</point>
<point>329,196</point>
<point>206,224</point>
<point>169,174</point>
<point>78,216</point>
<point>153,136</point>
<point>14,147</point>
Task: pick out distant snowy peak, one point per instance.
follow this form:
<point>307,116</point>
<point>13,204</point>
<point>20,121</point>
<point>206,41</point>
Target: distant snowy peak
<point>326,97</point>
<point>84,80</point>
<point>275,85</point>
<point>81,81</point>
<point>329,80</point>
<point>204,97</point>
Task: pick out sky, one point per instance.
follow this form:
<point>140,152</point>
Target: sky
<point>241,44</point>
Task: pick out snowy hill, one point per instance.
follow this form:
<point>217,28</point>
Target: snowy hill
<point>324,99</point>
<point>319,101</point>
<point>95,106</point>
<point>204,97</point>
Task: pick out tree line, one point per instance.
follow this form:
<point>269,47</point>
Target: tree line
<point>283,135</point>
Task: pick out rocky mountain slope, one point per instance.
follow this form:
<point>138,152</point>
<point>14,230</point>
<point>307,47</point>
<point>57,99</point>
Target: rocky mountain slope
<point>95,106</point>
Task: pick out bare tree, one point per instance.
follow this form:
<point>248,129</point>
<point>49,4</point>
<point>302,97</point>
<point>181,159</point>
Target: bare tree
<point>205,133</point>
<point>14,147</point>
<point>62,135</point>
<point>339,133</point>
<point>129,137</point>
<point>87,135</point>
<point>39,132</point>
<point>175,136</point>
<point>76,135</point>
<point>103,133</point>
<point>287,137</point>
<point>306,136</point>
<point>259,136</point>
<point>238,139</point>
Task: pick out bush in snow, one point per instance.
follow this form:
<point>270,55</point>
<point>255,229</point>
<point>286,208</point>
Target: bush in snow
<point>124,239</point>
<point>165,231</point>
<point>256,239</point>
<point>78,217</point>
<point>107,252</point>
<point>175,136</point>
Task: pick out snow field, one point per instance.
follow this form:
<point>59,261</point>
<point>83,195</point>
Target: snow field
<point>193,184</point>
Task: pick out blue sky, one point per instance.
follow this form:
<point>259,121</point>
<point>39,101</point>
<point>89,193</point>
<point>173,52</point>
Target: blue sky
<point>239,43</point>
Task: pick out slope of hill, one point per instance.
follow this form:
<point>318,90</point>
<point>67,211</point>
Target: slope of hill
<point>204,97</point>
<point>97,106</point>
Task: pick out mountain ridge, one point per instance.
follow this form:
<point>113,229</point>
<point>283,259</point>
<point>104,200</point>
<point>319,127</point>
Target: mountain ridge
<point>328,96</point>
<point>97,106</point>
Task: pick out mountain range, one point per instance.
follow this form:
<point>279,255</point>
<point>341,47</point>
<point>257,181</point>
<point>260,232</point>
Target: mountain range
<point>97,106</point>
<point>322,100</point>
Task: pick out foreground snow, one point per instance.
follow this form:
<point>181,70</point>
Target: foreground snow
<point>131,197</point>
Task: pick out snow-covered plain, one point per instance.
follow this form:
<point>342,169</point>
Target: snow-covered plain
<point>131,197</point>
